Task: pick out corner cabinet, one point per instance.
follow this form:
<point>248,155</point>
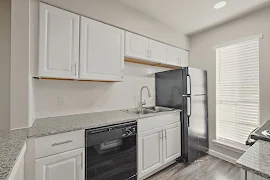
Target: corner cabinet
<point>101,51</point>
<point>64,166</point>
<point>159,143</point>
<point>58,43</point>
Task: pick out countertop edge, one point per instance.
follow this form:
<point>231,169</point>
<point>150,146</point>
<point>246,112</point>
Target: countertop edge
<point>16,164</point>
<point>254,171</point>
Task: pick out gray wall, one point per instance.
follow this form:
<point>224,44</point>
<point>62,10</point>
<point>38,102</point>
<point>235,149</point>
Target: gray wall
<point>5,11</point>
<point>202,56</point>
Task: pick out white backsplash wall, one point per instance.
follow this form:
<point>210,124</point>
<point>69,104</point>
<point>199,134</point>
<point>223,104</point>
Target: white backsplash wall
<point>84,97</point>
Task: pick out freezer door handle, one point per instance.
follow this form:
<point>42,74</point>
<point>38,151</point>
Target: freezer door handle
<point>190,107</point>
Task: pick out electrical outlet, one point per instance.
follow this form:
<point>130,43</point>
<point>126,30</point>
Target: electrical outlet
<point>61,100</point>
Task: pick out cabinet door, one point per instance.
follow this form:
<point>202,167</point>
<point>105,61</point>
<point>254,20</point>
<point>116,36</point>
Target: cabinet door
<point>136,46</point>
<point>101,51</point>
<point>183,58</point>
<point>58,43</point>
<point>149,151</point>
<point>172,142</point>
<point>173,56</point>
<point>65,166</point>
<point>251,176</point>
<point>157,51</point>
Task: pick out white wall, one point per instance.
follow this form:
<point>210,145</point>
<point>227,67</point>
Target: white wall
<point>5,19</point>
<point>82,97</point>
<point>24,46</point>
<point>203,56</point>
<point>111,12</point>
<point>20,64</point>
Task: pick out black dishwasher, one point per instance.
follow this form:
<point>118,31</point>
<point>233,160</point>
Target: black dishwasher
<point>111,152</point>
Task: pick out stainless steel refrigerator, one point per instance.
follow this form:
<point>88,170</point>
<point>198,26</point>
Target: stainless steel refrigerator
<point>186,89</point>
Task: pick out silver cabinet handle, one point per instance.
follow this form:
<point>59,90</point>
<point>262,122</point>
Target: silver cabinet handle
<point>161,134</point>
<point>82,160</point>
<point>147,53</point>
<point>179,60</point>
<point>64,142</point>
<point>75,66</point>
<point>165,134</point>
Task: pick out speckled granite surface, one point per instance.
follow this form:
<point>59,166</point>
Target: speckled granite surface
<point>11,144</point>
<point>257,159</point>
<point>61,124</point>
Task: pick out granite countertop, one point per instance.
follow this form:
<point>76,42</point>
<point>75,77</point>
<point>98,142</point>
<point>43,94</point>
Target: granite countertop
<point>257,159</point>
<point>11,144</point>
<point>62,124</point>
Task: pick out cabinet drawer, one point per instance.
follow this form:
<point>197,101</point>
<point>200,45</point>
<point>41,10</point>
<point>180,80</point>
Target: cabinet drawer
<point>158,121</point>
<point>54,144</point>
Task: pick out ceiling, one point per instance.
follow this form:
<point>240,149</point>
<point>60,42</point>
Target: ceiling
<point>191,16</point>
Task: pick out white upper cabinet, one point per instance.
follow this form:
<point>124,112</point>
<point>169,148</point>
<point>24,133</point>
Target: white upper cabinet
<point>140,47</point>
<point>101,51</point>
<point>173,56</point>
<point>157,51</point>
<point>177,57</point>
<point>58,43</point>
<point>183,58</point>
<point>136,46</point>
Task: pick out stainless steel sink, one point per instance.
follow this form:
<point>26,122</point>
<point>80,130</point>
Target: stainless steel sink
<point>148,110</point>
<point>138,111</point>
<point>159,109</point>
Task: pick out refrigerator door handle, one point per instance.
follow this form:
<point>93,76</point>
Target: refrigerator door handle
<point>189,78</point>
<point>186,95</point>
<point>190,107</point>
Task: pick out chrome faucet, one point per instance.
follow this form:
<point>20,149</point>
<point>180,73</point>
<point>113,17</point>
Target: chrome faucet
<point>143,102</point>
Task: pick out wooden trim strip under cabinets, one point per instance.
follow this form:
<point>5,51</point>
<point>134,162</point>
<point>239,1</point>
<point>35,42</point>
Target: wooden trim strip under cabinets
<point>139,61</point>
<point>59,79</point>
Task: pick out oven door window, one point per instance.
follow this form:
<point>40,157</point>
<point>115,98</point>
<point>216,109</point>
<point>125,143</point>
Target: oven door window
<point>112,160</point>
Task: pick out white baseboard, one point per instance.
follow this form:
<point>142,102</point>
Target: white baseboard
<point>222,156</point>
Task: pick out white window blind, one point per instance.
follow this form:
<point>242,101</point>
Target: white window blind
<point>237,90</point>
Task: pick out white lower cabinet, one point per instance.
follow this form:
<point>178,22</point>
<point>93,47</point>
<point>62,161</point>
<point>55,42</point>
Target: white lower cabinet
<point>251,176</point>
<point>64,166</point>
<point>171,142</point>
<point>150,151</point>
<point>159,143</point>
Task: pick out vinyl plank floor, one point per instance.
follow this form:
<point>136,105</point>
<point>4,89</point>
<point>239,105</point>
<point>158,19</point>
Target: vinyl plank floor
<point>205,168</point>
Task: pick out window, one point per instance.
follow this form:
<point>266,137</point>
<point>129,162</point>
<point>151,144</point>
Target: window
<point>237,90</point>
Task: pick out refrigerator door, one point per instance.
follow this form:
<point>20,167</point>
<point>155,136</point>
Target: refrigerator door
<point>169,89</point>
<point>196,81</point>
<point>197,126</point>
